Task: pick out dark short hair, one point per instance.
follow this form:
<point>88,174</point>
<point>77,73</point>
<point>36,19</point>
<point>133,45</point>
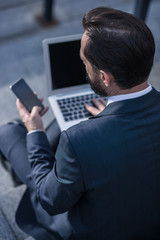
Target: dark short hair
<point>119,43</point>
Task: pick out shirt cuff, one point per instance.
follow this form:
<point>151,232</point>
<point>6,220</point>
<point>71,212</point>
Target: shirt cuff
<point>37,130</point>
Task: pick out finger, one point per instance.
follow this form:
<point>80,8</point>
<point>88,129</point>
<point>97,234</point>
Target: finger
<point>38,111</point>
<point>24,114</point>
<point>93,110</point>
<point>103,101</point>
<point>21,107</point>
<point>41,99</point>
<point>35,111</point>
<point>19,104</point>
<point>44,111</point>
<point>98,104</point>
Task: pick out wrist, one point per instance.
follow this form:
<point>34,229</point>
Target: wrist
<point>34,125</point>
<point>34,131</point>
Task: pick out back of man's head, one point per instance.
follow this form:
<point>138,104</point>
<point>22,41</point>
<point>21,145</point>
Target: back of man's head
<point>119,43</point>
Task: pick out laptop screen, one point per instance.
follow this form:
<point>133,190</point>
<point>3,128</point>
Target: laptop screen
<point>66,67</point>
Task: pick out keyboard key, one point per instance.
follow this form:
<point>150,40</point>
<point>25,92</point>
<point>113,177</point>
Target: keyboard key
<point>73,108</point>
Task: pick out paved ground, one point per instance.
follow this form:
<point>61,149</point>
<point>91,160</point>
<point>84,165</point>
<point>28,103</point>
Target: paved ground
<point>21,56</point>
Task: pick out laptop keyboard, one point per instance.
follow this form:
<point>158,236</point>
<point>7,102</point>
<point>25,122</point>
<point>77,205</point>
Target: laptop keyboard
<point>73,108</point>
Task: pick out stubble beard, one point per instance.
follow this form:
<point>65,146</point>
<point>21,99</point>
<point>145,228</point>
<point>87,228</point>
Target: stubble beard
<point>97,85</point>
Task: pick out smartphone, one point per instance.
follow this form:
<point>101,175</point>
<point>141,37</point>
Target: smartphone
<point>25,94</point>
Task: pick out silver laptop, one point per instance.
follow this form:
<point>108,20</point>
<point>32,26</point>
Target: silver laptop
<point>68,89</point>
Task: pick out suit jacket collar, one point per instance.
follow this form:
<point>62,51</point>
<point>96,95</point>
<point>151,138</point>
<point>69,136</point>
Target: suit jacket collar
<point>131,105</point>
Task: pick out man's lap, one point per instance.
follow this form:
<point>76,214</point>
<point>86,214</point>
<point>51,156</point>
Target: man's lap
<point>13,146</point>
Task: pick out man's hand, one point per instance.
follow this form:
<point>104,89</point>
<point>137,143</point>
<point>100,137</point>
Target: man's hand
<point>33,120</point>
<point>100,105</point>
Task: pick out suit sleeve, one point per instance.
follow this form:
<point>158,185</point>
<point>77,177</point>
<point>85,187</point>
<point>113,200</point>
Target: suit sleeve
<point>58,179</point>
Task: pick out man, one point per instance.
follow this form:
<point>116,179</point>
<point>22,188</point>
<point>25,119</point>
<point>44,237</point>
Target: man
<point>103,180</point>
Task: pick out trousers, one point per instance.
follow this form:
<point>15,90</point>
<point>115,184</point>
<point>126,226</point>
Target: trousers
<point>13,146</point>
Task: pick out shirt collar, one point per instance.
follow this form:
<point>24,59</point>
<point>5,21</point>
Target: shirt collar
<point>129,95</point>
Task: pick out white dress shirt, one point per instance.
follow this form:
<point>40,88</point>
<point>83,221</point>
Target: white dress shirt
<point>129,95</point>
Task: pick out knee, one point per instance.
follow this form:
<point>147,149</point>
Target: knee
<point>10,130</point>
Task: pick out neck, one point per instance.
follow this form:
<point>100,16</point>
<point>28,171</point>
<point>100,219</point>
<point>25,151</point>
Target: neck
<point>117,91</point>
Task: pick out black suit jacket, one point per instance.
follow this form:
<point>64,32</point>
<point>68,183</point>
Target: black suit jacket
<point>104,181</point>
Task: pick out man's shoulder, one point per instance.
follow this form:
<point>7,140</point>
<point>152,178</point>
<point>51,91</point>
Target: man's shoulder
<point>87,127</point>
<point>81,129</point>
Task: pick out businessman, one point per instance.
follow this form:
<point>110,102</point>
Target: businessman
<point>102,179</point>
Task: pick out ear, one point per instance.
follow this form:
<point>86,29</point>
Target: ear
<point>105,77</point>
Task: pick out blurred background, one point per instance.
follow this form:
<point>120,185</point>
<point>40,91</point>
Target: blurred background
<point>23,26</point>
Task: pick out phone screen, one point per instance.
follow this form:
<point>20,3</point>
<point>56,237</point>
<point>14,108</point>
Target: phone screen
<point>25,94</point>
